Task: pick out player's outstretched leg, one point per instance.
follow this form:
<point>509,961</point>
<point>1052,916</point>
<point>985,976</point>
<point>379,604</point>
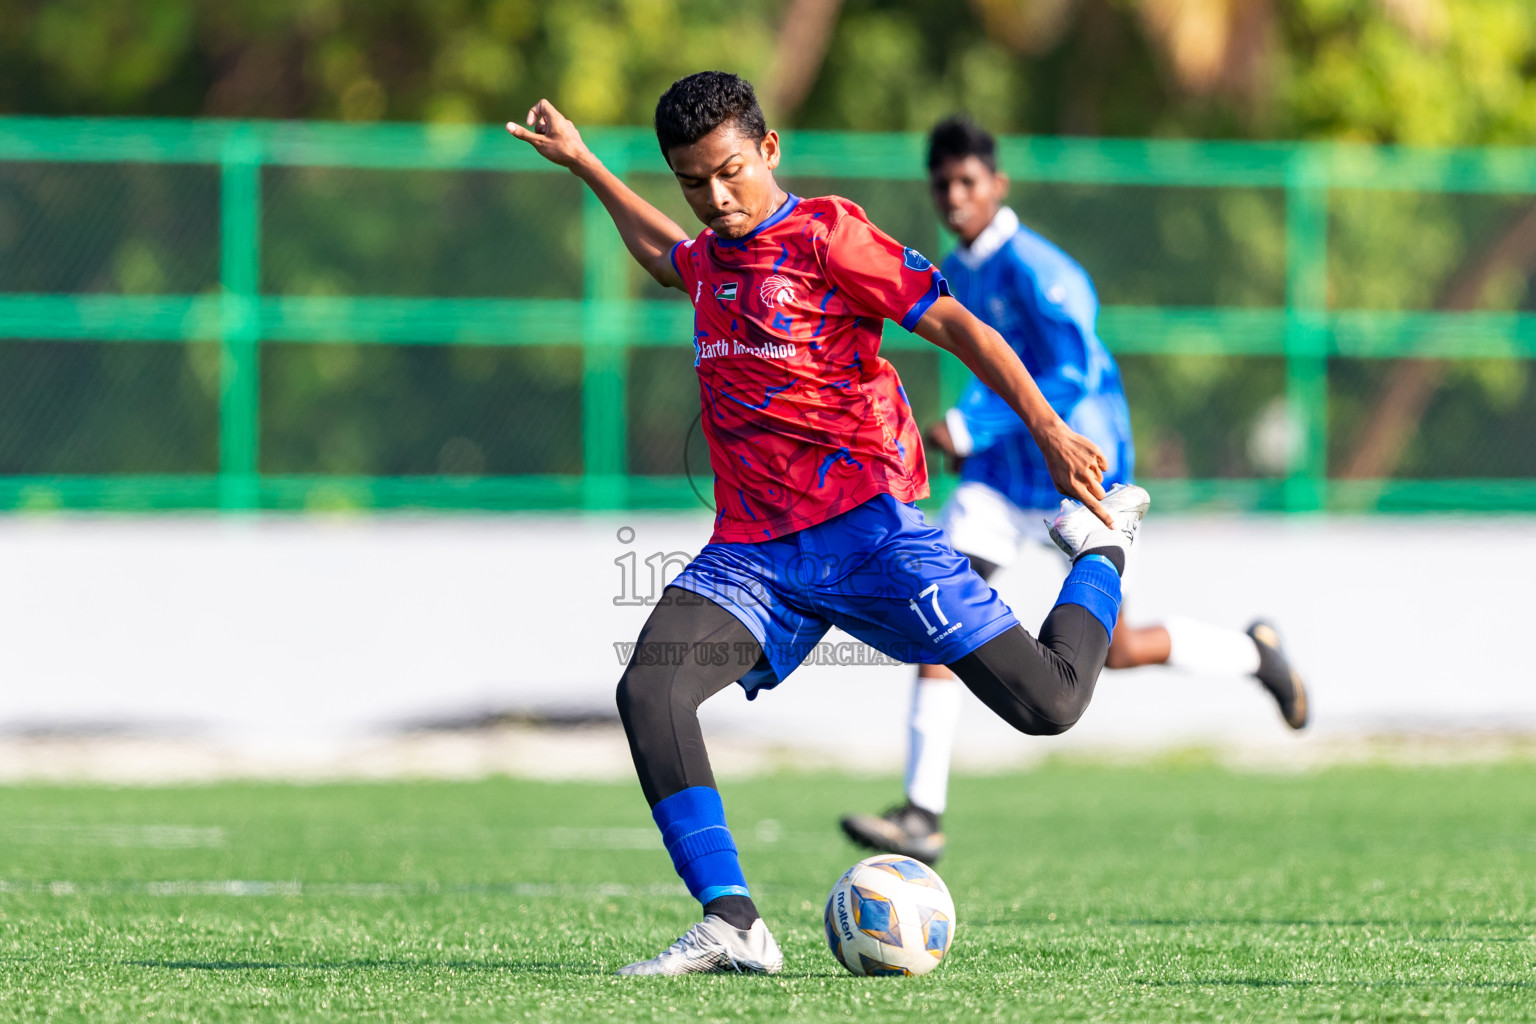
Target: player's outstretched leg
<point>690,649</point>
<point>1042,686</point>
<point>1194,646</point>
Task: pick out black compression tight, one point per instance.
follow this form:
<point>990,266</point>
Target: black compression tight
<point>1069,640</point>
<point>1040,686</point>
<point>691,648</point>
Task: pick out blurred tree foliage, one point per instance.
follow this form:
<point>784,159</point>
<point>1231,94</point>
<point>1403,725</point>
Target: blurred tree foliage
<point>1434,72</point>
<point>1437,72</point>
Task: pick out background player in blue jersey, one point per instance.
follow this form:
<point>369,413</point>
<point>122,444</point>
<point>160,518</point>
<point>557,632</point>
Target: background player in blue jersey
<point>1042,302</point>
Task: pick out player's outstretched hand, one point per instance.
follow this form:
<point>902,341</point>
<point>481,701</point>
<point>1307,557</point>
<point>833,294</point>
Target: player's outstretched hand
<point>552,134</point>
<point>1077,469</point>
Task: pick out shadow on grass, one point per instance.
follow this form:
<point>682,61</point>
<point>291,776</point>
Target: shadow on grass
<point>495,967</point>
<point>499,967</point>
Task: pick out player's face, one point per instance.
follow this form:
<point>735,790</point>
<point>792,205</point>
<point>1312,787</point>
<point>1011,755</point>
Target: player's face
<point>967,194</point>
<point>728,179</point>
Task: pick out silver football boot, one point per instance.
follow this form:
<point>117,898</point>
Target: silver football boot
<point>714,947</point>
<point>1077,529</point>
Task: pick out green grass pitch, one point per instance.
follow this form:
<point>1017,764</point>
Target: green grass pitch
<point>1166,892</point>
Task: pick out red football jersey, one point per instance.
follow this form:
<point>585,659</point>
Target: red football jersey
<point>803,417</point>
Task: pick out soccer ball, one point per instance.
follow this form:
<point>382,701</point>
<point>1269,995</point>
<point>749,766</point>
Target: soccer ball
<point>890,915</point>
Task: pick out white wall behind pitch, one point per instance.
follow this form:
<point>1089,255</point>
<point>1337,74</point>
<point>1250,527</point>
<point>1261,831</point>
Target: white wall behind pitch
<point>268,629</point>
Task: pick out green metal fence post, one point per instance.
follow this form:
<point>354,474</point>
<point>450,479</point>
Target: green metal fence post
<point>240,329</point>
<point>1306,330</point>
<point>605,355</point>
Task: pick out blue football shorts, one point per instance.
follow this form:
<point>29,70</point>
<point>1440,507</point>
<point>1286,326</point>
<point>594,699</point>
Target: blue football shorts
<point>878,572</point>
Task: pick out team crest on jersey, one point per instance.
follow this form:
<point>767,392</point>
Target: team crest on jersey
<point>778,290</point>
<point>726,292</point>
<point>914,260</point>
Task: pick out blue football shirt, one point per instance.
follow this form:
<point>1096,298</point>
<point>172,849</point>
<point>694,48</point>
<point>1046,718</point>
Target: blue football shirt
<point>1044,305</point>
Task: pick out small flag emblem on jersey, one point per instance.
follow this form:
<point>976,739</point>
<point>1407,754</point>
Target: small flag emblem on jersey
<point>726,292</point>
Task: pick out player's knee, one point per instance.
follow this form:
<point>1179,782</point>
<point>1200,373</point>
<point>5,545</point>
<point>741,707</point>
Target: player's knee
<point>1060,710</point>
<point>648,696</point>
<point>1045,717</point>
<point>1046,724</point>
<point>624,697</point>
<point>639,694</point>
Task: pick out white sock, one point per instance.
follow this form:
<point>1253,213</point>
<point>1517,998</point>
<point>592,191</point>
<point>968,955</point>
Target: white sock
<point>934,717</point>
<point>1210,650</point>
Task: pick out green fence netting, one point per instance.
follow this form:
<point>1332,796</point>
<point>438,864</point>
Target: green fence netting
<point>267,315</point>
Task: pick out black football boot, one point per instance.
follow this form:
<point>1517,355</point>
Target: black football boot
<point>1275,672</point>
<point>908,830</point>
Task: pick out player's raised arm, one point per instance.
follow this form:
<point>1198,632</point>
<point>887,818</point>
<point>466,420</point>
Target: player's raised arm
<point>648,233</point>
<point>1076,464</point>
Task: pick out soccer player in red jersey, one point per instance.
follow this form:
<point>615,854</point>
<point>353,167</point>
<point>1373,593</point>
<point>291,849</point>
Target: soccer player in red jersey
<point>817,460</point>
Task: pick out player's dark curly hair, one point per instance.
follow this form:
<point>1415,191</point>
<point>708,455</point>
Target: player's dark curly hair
<point>697,105</point>
<point>958,136</point>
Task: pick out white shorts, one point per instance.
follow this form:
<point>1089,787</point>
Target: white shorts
<point>982,522</point>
